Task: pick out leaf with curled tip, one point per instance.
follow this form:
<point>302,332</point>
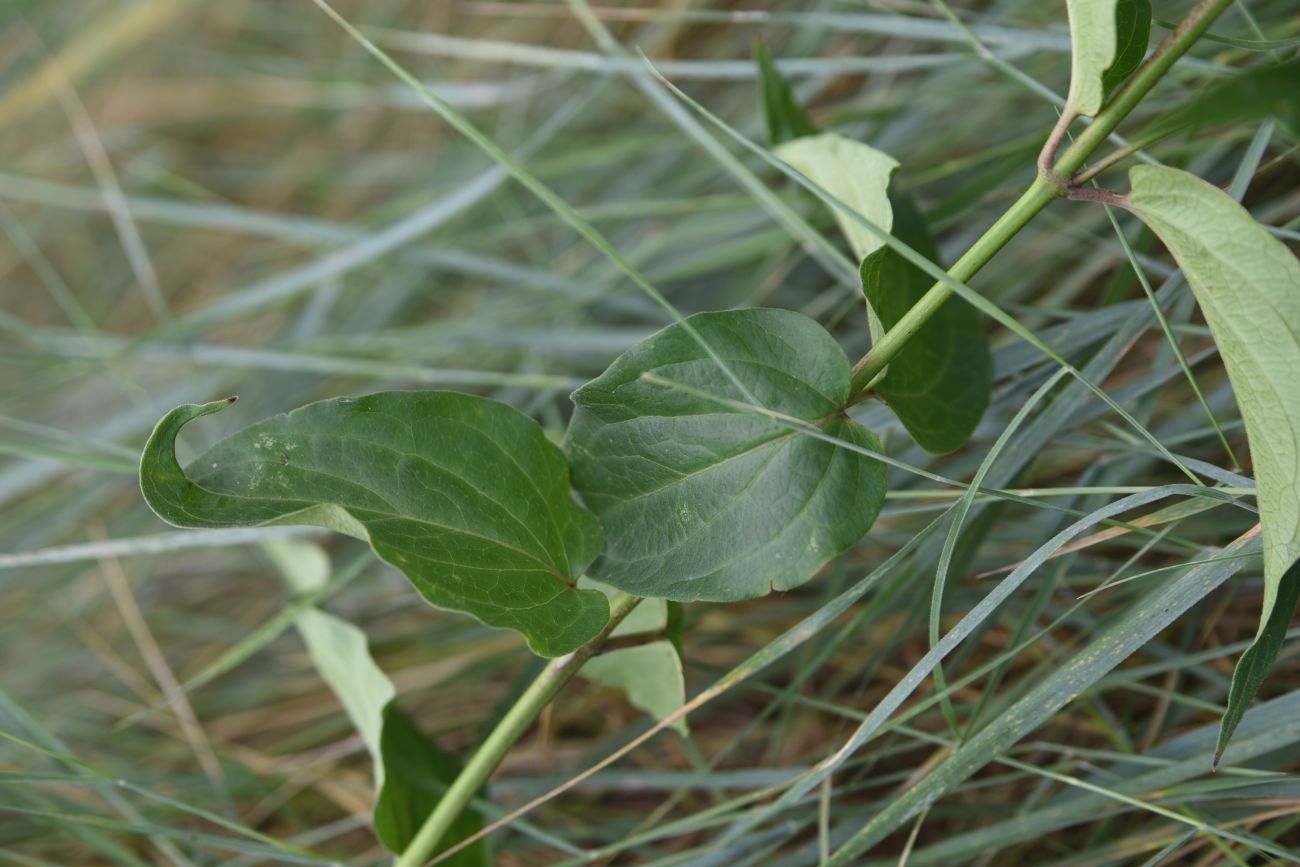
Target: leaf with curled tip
<point>464,495</point>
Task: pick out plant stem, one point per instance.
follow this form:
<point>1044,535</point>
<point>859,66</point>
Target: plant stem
<point>1042,190</point>
<point>1048,155</point>
<point>1096,194</point>
<point>1118,156</point>
<point>510,729</point>
<point>1040,193</point>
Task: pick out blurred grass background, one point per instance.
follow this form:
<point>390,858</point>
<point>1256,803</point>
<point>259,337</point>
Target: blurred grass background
<point>205,199</point>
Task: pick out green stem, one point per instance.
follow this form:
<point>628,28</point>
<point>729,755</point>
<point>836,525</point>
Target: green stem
<point>510,729</point>
<point>1118,156</point>
<point>1034,199</point>
<point>1042,190</point>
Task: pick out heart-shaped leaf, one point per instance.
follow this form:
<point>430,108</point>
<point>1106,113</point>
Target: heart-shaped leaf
<point>939,384</point>
<point>464,495</point>
<point>1248,286</point>
<point>704,497</point>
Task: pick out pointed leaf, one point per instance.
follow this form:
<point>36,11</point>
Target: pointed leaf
<point>1253,667</point>
<point>464,495</point>
<point>785,119</point>
<point>410,770</point>
<point>1093,51</point>
<point>338,649</point>
<point>939,384</point>
<point>1132,32</point>
<point>702,498</point>
<point>342,657</point>
<point>1248,286</point>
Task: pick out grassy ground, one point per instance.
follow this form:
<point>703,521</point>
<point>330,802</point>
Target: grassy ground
<point>204,199</point>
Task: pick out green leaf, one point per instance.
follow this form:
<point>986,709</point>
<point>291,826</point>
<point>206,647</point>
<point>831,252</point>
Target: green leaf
<point>1248,286</point>
<point>785,119</point>
<point>1133,32</point>
<point>1246,95</point>
<point>1093,51</point>
<point>700,496</point>
<point>1254,664</point>
<point>650,675</point>
<point>856,174</point>
<point>464,495</point>
<point>416,774</point>
<point>940,383</point>
<point>410,770</point>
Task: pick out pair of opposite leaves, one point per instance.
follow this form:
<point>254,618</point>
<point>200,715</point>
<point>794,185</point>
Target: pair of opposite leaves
<point>716,454</point>
<point>701,497</point>
<point>676,468</point>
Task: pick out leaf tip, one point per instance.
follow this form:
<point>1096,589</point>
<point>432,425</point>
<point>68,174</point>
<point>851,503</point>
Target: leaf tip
<point>202,409</point>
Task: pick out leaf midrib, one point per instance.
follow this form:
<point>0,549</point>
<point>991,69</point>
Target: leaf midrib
<point>393,513</point>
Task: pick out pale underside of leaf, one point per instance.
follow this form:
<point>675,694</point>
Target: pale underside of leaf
<point>338,649</point>
<point>701,500</point>
<point>1093,48</point>
<point>650,675</point>
<point>1248,286</point>
<point>341,654</point>
<point>856,174</point>
<point>464,495</point>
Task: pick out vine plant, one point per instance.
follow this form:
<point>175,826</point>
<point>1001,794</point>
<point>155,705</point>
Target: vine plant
<point>717,459</point>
